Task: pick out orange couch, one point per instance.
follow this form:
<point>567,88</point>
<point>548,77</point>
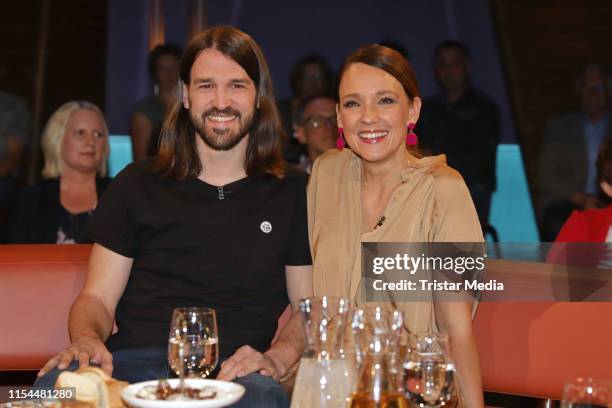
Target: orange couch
<point>525,348</point>
<point>533,348</point>
<point>38,283</point>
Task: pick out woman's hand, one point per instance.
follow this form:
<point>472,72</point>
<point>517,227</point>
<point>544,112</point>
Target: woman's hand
<point>247,360</point>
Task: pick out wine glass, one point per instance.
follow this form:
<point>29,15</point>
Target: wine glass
<point>193,345</point>
<point>429,372</point>
<point>587,393</point>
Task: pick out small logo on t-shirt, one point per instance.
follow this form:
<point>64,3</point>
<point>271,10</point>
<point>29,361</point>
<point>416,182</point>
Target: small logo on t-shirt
<point>266,227</point>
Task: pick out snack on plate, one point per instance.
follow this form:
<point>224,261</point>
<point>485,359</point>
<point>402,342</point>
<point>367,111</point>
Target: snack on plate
<point>94,389</point>
<point>164,391</point>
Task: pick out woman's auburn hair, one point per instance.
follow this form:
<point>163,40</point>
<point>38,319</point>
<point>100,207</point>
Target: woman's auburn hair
<point>177,156</point>
<point>388,60</point>
<point>53,138</point>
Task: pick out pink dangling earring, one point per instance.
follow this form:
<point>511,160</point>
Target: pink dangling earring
<point>340,139</point>
<point>411,138</point>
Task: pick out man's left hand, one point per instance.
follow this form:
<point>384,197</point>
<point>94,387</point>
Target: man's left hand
<point>247,360</point>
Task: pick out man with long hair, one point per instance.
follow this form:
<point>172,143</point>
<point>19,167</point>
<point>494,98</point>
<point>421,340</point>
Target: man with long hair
<point>215,219</point>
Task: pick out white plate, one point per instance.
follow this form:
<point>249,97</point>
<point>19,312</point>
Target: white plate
<point>227,394</point>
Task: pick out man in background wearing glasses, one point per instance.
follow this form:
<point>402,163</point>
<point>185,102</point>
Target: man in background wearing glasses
<point>316,127</point>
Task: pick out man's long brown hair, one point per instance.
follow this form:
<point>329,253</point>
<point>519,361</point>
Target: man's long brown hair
<point>178,157</point>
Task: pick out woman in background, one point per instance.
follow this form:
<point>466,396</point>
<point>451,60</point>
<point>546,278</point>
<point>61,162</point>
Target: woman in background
<point>593,225</point>
<point>382,190</point>
<point>588,226</point>
<point>56,210</point>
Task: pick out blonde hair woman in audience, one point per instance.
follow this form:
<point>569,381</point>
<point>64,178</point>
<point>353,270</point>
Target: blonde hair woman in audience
<point>383,189</point>
<point>56,210</point>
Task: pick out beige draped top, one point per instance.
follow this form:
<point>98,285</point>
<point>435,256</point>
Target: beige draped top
<point>432,204</point>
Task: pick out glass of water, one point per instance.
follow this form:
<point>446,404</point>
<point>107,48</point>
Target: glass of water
<point>429,372</point>
<point>193,344</point>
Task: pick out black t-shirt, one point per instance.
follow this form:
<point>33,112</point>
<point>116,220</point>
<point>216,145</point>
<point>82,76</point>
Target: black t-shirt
<point>195,244</point>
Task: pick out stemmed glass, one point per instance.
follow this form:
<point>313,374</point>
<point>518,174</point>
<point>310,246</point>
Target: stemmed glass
<point>429,372</point>
<point>587,393</point>
<point>193,345</point>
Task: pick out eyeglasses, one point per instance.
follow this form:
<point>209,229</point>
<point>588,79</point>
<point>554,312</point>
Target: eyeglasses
<point>315,122</point>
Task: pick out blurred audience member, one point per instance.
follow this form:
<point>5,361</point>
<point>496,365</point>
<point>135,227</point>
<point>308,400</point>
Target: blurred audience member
<point>567,178</point>
<point>311,75</point>
<point>14,136</point>
<point>75,147</point>
<point>316,127</point>
<point>593,225</point>
<point>588,226</point>
<point>164,63</point>
<point>462,123</point>
<point>14,132</point>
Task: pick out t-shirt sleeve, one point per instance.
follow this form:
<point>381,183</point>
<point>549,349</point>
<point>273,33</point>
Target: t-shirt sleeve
<point>455,218</point>
<point>311,198</point>
<point>113,225</point>
<point>298,249</point>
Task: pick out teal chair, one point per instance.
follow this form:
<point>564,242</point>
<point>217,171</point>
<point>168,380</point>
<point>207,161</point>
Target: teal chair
<point>512,214</point>
<point>120,153</point>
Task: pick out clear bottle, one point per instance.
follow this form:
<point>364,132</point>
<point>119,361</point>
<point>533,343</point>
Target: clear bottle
<point>377,346</point>
<point>325,377</point>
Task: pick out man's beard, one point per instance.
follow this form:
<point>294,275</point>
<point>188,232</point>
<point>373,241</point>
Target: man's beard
<point>221,139</point>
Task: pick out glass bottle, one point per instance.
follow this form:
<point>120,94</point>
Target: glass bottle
<point>376,333</point>
<point>325,377</point>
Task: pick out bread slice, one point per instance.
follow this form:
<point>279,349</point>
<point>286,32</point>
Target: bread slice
<point>95,389</point>
<point>87,390</point>
<point>99,378</point>
<point>91,371</point>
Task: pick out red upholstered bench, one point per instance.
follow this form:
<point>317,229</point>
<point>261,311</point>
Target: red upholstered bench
<point>533,348</point>
<point>38,284</point>
<point>525,348</point>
